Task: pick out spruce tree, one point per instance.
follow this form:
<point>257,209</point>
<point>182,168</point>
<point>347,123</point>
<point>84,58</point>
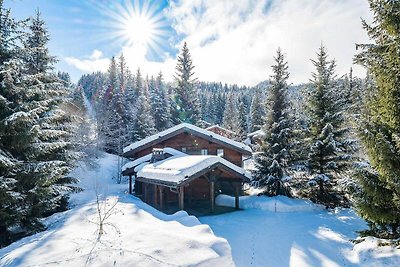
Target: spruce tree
<point>10,213</point>
<point>162,115</point>
<point>186,103</point>
<point>379,200</point>
<point>229,120</point>
<point>273,160</point>
<point>241,118</point>
<point>144,120</point>
<point>256,112</point>
<point>34,133</point>
<point>328,156</point>
<point>51,152</point>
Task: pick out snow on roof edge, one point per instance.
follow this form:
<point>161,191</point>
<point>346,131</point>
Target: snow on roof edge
<point>177,169</point>
<point>148,157</point>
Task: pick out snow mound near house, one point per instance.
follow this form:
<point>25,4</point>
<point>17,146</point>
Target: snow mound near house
<point>275,204</point>
<point>136,234</point>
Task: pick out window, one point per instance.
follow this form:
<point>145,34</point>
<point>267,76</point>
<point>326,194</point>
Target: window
<point>184,149</point>
<point>204,151</point>
<point>220,152</point>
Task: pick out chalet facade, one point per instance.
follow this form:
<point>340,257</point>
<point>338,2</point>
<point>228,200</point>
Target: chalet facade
<point>185,165</point>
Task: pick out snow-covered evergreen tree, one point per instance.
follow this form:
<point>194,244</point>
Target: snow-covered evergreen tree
<point>241,118</point>
<point>144,120</point>
<point>34,130</point>
<point>273,160</point>
<point>256,112</point>
<point>162,113</point>
<point>328,155</point>
<point>379,201</point>
<point>186,103</point>
<point>229,120</point>
<point>10,198</point>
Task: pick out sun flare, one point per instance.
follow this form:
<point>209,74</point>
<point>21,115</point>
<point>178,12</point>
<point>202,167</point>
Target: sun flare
<point>138,23</point>
<point>139,29</point>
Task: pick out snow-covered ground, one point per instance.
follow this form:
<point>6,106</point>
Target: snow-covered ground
<point>268,232</point>
<point>136,234</point>
<point>289,232</point>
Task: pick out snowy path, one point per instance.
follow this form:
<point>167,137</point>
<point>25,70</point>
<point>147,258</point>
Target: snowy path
<point>308,238</point>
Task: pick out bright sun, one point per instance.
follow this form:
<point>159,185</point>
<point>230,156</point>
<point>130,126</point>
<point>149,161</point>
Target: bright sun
<point>139,29</point>
<point>138,23</point>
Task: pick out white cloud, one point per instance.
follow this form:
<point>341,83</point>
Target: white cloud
<point>135,55</point>
<point>234,41</point>
<point>95,62</point>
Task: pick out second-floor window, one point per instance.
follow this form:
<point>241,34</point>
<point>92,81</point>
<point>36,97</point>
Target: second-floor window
<point>220,152</point>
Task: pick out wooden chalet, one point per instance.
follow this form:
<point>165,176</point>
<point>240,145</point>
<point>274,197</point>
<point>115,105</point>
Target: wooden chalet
<point>185,165</point>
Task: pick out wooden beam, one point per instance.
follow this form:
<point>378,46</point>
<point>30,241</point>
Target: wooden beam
<point>237,188</point>
<point>161,191</point>
<point>181,197</point>
<point>130,184</point>
<point>212,195</point>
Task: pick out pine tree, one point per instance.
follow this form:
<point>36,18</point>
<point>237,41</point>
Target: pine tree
<point>162,115</point>
<point>379,201</point>
<point>10,213</point>
<point>35,134</point>
<point>273,160</point>
<point>327,157</point>
<point>229,120</point>
<point>241,118</point>
<point>186,103</point>
<point>144,121</point>
<point>51,152</point>
<point>256,112</point>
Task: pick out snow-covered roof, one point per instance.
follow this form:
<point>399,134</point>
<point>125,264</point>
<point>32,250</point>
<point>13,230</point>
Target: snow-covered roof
<point>146,158</point>
<point>259,133</point>
<point>194,129</point>
<point>220,127</point>
<point>177,169</point>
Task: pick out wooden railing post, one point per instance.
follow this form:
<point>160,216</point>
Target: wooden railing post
<point>237,188</point>
<point>161,190</point>
<point>212,195</point>
<point>130,184</point>
<point>182,197</point>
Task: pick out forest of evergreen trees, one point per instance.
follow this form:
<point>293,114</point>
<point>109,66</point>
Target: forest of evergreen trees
<point>334,139</point>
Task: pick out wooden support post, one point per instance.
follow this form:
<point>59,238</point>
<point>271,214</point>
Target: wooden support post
<point>155,189</point>
<point>190,195</point>
<point>161,190</point>
<point>145,192</point>
<point>237,188</point>
<point>130,184</point>
<point>182,197</point>
<point>212,195</point>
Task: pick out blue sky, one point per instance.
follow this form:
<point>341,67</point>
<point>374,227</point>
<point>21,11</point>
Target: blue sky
<point>231,41</point>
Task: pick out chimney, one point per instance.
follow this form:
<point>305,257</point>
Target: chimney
<point>157,155</point>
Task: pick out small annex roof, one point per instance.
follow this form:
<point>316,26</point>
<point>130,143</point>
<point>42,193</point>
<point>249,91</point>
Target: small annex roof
<point>178,170</point>
<point>161,136</point>
<point>132,164</point>
<point>220,127</point>
<point>258,133</point>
